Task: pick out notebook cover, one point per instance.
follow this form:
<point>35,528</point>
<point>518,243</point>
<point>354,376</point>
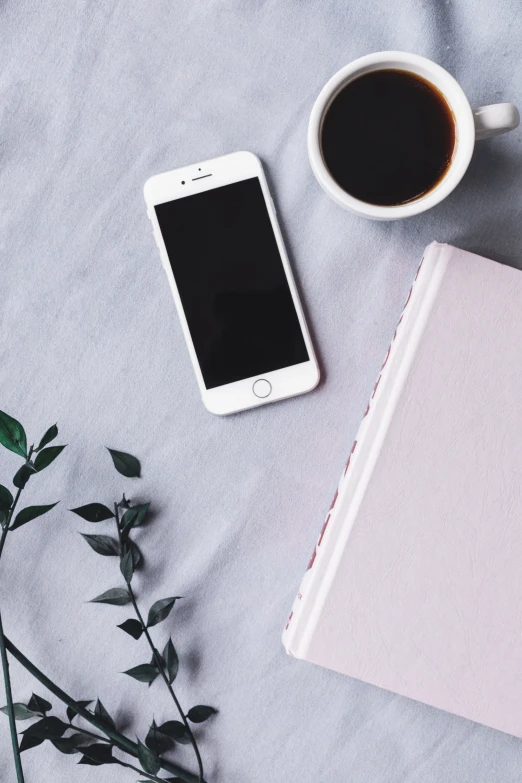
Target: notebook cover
<point>415,584</point>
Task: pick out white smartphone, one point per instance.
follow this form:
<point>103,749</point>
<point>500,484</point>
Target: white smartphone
<point>220,244</point>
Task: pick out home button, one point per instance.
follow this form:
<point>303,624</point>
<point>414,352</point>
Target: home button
<point>262,388</point>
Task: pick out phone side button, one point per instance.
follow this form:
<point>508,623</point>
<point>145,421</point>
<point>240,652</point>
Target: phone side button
<point>262,388</point>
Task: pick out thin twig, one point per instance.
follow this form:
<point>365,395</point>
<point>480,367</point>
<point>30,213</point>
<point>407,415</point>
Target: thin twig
<point>3,655</point>
<point>158,660</point>
<point>10,707</point>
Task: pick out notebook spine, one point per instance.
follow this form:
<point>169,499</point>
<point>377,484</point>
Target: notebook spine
<point>296,619</point>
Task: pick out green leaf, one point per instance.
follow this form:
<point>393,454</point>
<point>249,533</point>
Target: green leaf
<point>23,474</point>
<point>160,610</point>
<point>6,498</point>
<point>38,704</point>
<point>176,731</point>
<point>171,659</point>
<point>47,728</point>
<point>103,715</point>
<point>157,742</point>
<point>103,545</point>
<point>70,745</point>
<point>200,713</point>
<point>136,555</point>
<point>30,513</point>
<point>134,517</point>
<point>12,435</point>
<point>125,464</point>
<point>145,672</point>
<point>118,596</point>
<point>30,742</point>
<point>127,564</point>
<point>96,755</point>
<point>47,456</point>
<point>3,518</point>
<point>132,627</point>
<point>149,762</point>
<point>22,712</point>
<point>143,510</point>
<point>50,435</point>
<point>127,520</point>
<point>71,712</point>
<point>93,512</point>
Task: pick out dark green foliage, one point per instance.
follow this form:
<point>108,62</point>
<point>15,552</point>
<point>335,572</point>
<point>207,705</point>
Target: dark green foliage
<point>103,545</point>
<point>69,740</point>
<point>50,435</point>
<point>22,712</point>
<point>98,754</point>
<point>127,563</point>
<point>47,728</point>
<point>103,715</point>
<point>200,713</point>
<point>30,513</point>
<point>39,705</point>
<point>70,745</point>
<point>6,498</point>
<point>149,762</point>
<point>23,474</point>
<point>125,464</point>
<point>134,516</point>
<point>171,660</point>
<point>176,730</point>
<point>71,712</point>
<point>45,457</point>
<point>93,512</point>
<point>12,435</point>
<point>160,610</point>
<point>145,672</point>
<point>157,742</point>
<point>30,742</point>
<point>132,627</point>
<point>118,596</point>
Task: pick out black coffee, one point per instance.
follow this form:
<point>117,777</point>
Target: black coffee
<point>388,137</point>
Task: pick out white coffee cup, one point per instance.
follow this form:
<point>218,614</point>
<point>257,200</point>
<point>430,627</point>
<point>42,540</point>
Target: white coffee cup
<point>470,124</point>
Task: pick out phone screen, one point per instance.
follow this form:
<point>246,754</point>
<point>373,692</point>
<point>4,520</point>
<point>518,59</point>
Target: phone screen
<point>232,283</point>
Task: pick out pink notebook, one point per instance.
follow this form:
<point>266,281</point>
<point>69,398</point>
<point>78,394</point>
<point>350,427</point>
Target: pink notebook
<point>415,584</point>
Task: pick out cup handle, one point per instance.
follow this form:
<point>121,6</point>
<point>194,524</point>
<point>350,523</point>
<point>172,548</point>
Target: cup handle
<point>494,119</point>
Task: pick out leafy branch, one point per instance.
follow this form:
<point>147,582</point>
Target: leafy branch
<point>13,437</point>
<point>96,748</point>
<point>165,664</point>
<point>97,720</point>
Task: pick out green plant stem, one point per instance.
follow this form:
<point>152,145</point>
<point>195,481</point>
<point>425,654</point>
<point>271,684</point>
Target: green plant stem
<point>3,656</point>
<point>10,708</point>
<point>120,740</point>
<point>158,660</point>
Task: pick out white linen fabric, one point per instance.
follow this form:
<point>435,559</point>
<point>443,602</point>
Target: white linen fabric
<point>96,97</point>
